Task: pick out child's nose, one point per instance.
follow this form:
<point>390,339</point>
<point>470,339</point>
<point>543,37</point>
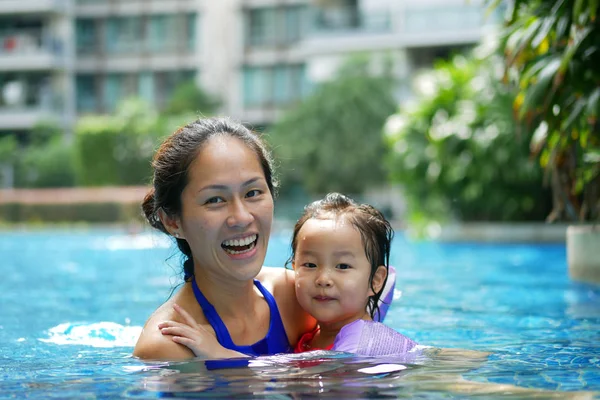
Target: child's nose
<point>323,280</point>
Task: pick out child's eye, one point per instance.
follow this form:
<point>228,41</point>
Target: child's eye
<point>309,265</point>
<point>253,193</point>
<point>343,266</point>
<point>214,200</point>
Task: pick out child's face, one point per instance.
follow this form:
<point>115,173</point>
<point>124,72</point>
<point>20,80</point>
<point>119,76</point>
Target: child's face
<point>332,271</point>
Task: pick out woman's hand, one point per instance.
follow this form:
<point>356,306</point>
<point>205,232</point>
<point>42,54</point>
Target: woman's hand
<point>195,337</point>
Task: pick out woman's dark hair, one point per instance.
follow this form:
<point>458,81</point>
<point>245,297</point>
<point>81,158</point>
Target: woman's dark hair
<point>171,164</point>
<point>375,231</point>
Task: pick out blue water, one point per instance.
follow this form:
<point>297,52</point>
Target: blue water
<point>72,304</point>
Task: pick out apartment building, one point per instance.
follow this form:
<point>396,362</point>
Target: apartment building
<point>36,64</point>
<point>63,58</point>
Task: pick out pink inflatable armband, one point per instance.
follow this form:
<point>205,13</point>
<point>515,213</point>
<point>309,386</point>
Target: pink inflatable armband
<point>370,338</point>
<point>387,295</point>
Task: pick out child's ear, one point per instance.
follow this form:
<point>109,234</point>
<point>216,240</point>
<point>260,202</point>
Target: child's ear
<point>172,224</point>
<point>379,278</point>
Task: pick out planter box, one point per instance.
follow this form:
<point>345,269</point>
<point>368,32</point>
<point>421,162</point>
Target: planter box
<point>583,252</point>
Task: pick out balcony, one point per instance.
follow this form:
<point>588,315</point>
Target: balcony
<point>29,50</point>
<point>27,99</point>
<point>32,6</point>
<point>24,118</point>
<point>348,21</point>
<point>97,8</point>
<point>397,25</point>
<point>451,23</point>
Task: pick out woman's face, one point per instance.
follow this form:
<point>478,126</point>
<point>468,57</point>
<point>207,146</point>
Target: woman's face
<point>227,211</point>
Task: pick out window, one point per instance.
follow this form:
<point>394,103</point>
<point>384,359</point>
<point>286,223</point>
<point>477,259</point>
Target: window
<point>276,86</point>
<point>274,26</point>
<point>123,35</point>
<point>157,33</point>
<point>85,36</point>
<point>86,93</point>
<point>191,32</point>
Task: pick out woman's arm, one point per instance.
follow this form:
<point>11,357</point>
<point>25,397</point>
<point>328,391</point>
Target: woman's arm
<point>195,337</point>
<point>153,345</point>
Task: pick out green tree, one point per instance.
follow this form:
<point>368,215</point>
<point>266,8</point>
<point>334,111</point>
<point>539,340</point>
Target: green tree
<point>189,98</point>
<point>455,151</point>
<point>51,164</point>
<point>333,141</point>
<point>552,51</point>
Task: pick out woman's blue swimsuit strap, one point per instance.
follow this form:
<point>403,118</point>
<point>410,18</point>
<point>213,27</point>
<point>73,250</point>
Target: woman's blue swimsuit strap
<point>276,340</point>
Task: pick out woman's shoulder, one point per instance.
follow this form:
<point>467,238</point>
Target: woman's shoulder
<point>153,345</point>
<point>276,276</point>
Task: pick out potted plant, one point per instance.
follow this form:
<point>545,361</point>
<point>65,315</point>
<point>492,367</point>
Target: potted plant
<point>552,54</point>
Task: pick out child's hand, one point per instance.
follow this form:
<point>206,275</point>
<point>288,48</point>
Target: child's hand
<point>195,337</point>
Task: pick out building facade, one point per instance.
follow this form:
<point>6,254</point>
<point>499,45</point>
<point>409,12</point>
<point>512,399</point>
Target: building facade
<point>60,59</point>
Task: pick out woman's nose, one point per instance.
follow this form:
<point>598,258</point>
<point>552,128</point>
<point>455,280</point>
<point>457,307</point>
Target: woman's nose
<point>240,216</point>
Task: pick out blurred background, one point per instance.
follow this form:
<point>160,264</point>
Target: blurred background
<point>420,107</point>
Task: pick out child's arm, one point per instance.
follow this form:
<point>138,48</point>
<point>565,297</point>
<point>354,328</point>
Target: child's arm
<point>195,337</point>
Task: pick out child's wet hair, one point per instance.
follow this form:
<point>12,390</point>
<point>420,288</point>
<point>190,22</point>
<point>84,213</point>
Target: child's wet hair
<point>375,231</point>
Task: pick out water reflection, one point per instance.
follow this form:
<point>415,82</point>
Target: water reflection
<point>433,373</point>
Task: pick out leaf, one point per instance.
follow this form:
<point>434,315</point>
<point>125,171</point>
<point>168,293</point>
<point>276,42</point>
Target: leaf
<point>544,32</point>
<point>577,37</point>
<point>575,113</point>
<point>538,91</point>
<point>592,156</point>
<point>522,40</point>
<point>577,11</point>
<point>538,138</point>
<point>593,7</point>
<point>592,104</point>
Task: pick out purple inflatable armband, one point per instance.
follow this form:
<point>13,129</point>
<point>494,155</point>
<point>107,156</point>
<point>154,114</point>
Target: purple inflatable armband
<point>370,338</point>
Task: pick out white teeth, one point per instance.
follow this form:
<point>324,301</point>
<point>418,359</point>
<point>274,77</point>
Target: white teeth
<point>240,242</point>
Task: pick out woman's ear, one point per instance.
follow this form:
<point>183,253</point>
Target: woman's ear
<point>172,224</point>
<point>379,279</point>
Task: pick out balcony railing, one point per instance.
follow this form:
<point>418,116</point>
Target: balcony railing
<point>451,18</point>
<point>348,21</point>
<point>28,41</point>
<point>32,6</point>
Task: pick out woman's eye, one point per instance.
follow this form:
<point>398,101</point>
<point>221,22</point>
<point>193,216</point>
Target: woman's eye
<point>343,266</point>
<point>253,193</point>
<point>214,200</point>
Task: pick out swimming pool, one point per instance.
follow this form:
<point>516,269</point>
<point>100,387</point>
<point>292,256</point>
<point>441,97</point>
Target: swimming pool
<point>72,303</point>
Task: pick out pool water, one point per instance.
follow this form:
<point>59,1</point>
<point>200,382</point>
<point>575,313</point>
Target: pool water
<point>72,304</point>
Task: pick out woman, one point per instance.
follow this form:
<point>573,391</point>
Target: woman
<point>213,191</point>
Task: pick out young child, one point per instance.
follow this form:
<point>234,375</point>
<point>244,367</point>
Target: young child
<point>340,254</point>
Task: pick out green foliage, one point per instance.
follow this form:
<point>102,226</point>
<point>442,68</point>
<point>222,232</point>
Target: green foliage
<point>189,98</point>
<point>8,148</point>
<point>552,52</point>
<point>50,165</point>
<point>43,132</point>
<point>117,150</point>
<point>332,141</point>
<point>96,139</point>
<point>455,151</point>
